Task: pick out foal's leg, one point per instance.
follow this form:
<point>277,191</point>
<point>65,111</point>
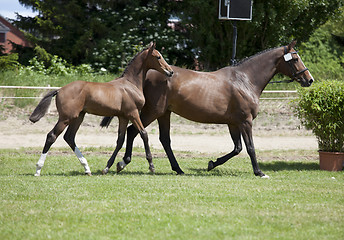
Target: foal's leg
<point>122,126</point>
<point>246,130</point>
<point>69,137</point>
<point>146,119</point>
<point>135,119</point>
<point>51,138</point>
<point>165,139</point>
<point>236,137</point>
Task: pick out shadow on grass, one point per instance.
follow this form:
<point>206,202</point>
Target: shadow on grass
<point>290,166</point>
<point>213,172</point>
<point>265,166</point>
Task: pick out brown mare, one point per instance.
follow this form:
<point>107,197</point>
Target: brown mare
<point>122,97</point>
<point>227,96</point>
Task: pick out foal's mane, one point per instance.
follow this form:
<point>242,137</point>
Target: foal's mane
<point>255,55</point>
<point>132,60</point>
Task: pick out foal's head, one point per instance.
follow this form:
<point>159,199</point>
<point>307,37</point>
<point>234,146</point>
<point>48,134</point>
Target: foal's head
<point>292,66</point>
<point>155,60</point>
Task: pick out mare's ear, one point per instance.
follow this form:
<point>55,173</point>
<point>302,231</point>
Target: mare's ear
<point>291,45</point>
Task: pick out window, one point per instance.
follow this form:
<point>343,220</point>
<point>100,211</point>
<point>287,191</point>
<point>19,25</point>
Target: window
<point>2,37</point>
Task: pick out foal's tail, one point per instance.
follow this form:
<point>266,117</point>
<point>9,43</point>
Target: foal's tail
<point>42,107</point>
<point>106,121</point>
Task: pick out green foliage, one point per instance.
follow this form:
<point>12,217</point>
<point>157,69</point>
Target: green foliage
<point>274,23</point>
<point>9,62</point>
<point>323,55</point>
<point>321,109</point>
<point>102,33</point>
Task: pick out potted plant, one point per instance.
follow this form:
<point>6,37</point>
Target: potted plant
<point>321,109</point>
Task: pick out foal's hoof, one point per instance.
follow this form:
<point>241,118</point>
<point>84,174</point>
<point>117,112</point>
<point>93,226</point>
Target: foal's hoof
<point>210,165</point>
<point>88,174</point>
<point>37,175</point>
<point>105,171</point>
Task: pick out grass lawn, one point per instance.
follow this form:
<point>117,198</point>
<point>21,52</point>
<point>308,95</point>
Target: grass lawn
<point>297,202</point>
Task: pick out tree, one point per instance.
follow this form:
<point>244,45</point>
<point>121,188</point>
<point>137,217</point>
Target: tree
<point>274,23</point>
<point>102,32</point>
<point>105,32</point>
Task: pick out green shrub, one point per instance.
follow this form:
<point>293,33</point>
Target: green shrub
<point>9,62</point>
<point>323,55</point>
<point>321,109</point>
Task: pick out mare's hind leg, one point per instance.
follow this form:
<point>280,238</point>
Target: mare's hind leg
<point>236,137</point>
<point>51,138</point>
<point>165,139</point>
<point>69,137</point>
<point>246,130</point>
<point>122,127</point>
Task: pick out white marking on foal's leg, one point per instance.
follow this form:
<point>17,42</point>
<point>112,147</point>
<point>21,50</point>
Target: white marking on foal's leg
<point>82,160</point>
<point>40,164</point>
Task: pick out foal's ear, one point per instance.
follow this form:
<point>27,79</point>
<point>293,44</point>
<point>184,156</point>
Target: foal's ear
<point>151,45</point>
<point>292,45</point>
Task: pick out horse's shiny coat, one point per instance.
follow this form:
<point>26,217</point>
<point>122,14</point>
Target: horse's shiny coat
<point>227,96</point>
<point>122,97</point>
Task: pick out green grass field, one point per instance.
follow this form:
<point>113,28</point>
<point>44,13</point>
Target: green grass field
<point>297,202</point>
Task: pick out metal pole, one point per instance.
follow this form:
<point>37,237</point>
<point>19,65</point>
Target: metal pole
<point>235,35</point>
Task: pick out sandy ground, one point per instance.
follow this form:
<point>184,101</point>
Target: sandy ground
<point>272,131</point>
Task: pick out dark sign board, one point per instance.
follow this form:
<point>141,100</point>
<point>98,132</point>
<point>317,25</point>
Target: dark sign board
<point>235,9</point>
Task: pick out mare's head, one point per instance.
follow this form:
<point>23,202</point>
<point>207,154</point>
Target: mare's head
<point>292,66</point>
<point>155,60</point>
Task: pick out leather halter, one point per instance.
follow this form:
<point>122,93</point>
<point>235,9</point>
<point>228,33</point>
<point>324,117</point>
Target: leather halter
<point>292,67</point>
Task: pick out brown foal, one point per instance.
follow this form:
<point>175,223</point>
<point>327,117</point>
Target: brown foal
<point>122,97</point>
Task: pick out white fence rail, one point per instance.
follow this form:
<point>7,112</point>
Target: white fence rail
<point>292,92</point>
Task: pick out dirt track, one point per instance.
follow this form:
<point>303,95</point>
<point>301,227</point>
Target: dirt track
<point>279,130</point>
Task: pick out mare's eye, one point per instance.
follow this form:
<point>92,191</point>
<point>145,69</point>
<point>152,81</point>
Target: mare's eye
<point>158,57</point>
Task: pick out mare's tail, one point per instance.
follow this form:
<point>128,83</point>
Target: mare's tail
<point>42,107</point>
<point>106,121</point>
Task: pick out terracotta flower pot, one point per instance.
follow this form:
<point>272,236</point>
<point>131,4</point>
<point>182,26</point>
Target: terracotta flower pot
<point>331,161</point>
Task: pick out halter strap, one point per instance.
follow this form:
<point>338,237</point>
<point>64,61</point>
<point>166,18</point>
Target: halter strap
<point>292,67</point>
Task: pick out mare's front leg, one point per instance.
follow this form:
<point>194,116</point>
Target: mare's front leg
<point>246,130</point>
<point>122,126</point>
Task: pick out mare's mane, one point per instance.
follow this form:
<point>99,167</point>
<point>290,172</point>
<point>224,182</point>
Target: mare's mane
<point>132,60</point>
<point>253,56</point>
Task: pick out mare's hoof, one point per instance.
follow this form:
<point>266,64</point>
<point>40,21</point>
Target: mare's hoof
<point>105,171</point>
<point>120,166</point>
<point>261,175</point>
<point>210,165</point>
<point>88,174</point>
<point>180,173</point>
<point>152,169</point>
